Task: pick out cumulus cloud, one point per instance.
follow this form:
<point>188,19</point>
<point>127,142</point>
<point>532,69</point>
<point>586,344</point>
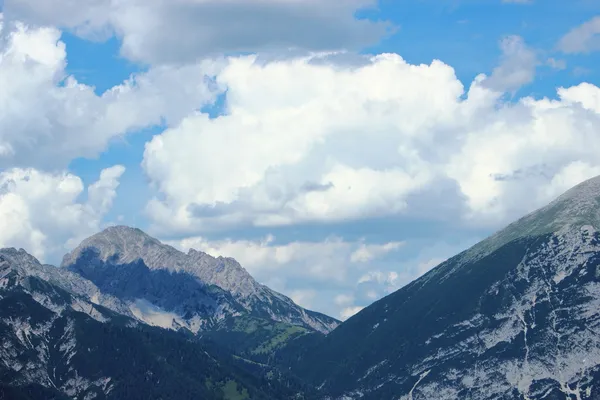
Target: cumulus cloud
<point>569,176</point>
<point>556,63</point>
<point>102,193</point>
<point>176,31</point>
<point>47,118</point>
<point>388,278</point>
<point>311,273</point>
<point>349,312</point>
<point>517,66</point>
<point>343,299</point>
<point>322,275</point>
<point>584,38</point>
<point>290,123</point>
<point>367,252</point>
<point>544,138</point>
<point>303,297</point>
<point>327,261</point>
<point>381,280</point>
<point>43,213</point>
<point>390,281</point>
<point>303,142</point>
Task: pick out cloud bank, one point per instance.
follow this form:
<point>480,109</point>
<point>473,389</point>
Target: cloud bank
<point>183,31</point>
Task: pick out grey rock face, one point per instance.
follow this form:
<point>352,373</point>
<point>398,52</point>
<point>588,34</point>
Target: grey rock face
<point>534,335</point>
<point>38,341</point>
<point>199,289</point>
<point>19,269</point>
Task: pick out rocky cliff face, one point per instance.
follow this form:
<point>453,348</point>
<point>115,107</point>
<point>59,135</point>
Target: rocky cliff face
<point>194,290</point>
<point>515,317</point>
<point>18,269</point>
<point>37,327</point>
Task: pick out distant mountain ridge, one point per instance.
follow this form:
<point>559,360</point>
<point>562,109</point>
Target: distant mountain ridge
<point>142,265</point>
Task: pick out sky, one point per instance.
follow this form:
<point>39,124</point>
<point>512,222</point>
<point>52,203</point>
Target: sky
<point>338,149</point>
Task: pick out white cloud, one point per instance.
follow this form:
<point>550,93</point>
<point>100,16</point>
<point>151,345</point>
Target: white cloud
<point>47,118</point>
<point>367,252</point>
<point>392,280</point>
<point>372,295</point>
<point>326,261</point>
<point>521,148</point>
<point>306,126</point>
<point>379,282</point>
<point>343,299</point>
<point>584,38</point>
<point>378,276</point>
<point>569,176</point>
<point>304,141</point>
<point>303,297</point>
<point>350,311</point>
<point>585,95</point>
<point>102,193</point>
<point>321,275</point>
<point>426,265</point>
<point>173,31</point>
<point>517,66</point>
<point>311,273</point>
<point>556,63</point>
<point>153,315</point>
<point>43,213</point>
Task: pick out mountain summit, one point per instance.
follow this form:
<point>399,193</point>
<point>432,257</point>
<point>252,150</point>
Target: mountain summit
<point>125,245</point>
<point>516,316</point>
<point>200,289</point>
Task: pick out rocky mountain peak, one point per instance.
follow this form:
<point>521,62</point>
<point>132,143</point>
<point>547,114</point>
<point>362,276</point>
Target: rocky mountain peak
<point>197,253</point>
<point>119,249</point>
<point>18,257</point>
<point>219,263</point>
<point>123,234</point>
<point>123,245</point>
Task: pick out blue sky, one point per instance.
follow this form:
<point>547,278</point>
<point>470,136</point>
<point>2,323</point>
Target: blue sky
<point>279,133</point>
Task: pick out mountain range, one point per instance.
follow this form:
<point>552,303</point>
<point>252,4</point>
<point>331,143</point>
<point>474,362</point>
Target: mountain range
<point>517,316</point>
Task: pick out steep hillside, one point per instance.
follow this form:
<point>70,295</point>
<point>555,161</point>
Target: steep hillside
<point>515,317</point>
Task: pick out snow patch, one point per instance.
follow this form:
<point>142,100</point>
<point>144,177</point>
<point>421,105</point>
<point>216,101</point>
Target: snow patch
<point>147,312</point>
